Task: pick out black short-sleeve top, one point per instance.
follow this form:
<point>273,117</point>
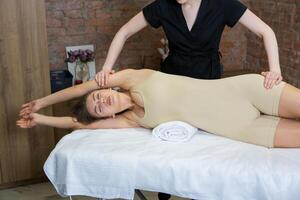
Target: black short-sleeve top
<point>205,35</point>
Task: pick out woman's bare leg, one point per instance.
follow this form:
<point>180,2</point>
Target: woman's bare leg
<point>287,134</point>
<point>289,106</point>
<point>288,130</point>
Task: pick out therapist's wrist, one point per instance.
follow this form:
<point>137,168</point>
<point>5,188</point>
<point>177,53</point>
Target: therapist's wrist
<point>275,69</point>
<point>106,68</point>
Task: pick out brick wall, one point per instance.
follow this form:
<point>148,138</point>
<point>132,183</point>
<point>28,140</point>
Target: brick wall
<point>234,46</point>
<point>283,16</point>
<point>79,22</point>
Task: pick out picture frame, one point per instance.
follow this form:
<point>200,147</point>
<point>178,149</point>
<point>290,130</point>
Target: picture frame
<point>91,65</point>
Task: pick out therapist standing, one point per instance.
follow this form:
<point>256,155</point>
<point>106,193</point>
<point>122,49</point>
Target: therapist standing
<point>194,29</point>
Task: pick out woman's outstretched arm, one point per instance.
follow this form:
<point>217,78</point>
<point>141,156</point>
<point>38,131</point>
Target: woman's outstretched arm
<point>60,96</point>
<point>124,79</point>
<point>121,79</point>
<point>71,123</point>
<point>68,93</point>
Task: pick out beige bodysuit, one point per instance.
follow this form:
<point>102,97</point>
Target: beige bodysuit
<point>237,107</point>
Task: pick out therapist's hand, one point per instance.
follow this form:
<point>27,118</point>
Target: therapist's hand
<point>102,77</point>
<point>271,78</point>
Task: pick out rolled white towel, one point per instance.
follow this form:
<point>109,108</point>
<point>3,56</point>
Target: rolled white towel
<point>174,131</point>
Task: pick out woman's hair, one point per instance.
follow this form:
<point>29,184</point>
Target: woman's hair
<point>81,113</point>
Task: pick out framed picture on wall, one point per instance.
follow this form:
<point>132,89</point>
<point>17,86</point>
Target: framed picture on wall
<point>73,66</point>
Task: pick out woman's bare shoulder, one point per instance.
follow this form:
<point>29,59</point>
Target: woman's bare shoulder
<point>142,71</point>
<point>139,75</point>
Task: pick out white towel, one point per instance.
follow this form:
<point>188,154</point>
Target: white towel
<point>174,131</point>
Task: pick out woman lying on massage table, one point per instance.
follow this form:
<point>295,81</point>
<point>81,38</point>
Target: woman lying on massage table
<point>237,107</point>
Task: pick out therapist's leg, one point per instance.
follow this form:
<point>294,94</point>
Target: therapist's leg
<point>287,134</point>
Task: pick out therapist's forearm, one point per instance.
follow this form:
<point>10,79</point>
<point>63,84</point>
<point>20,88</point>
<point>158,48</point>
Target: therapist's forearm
<point>271,46</point>
<point>115,49</point>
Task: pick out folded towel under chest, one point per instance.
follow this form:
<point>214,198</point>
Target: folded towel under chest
<point>174,131</point>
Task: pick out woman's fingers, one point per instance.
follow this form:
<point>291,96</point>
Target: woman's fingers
<point>25,123</point>
<point>21,123</point>
<point>25,105</point>
<point>30,107</point>
<point>25,111</point>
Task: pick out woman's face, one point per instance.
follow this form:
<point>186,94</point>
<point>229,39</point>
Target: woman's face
<point>103,103</point>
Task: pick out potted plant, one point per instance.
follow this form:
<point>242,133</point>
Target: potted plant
<point>81,59</point>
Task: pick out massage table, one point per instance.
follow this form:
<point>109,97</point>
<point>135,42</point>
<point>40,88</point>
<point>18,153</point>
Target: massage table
<point>114,163</point>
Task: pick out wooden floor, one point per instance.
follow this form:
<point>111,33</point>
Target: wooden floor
<point>45,191</point>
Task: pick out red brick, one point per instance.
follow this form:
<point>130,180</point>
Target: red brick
<point>64,5</point>
<point>74,14</point>
<point>90,14</point>
<point>100,14</point>
<point>73,23</point>
<point>57,14</point>
<point>123,5</point>
<point>95,4</point>
<point>95,22</point>
<point>56,32</point>
<point>53,23</point>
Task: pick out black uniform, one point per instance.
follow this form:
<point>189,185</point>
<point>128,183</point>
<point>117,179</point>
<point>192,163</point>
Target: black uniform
<point>194,53</point>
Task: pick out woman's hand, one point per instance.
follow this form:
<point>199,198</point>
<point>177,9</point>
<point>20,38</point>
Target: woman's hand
<point>28,121</point>
<point>271,78</point>
<point>30,107</point>
<point>103,76</point>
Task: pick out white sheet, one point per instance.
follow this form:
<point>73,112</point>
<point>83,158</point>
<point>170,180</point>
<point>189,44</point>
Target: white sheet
<point>112,163</point>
